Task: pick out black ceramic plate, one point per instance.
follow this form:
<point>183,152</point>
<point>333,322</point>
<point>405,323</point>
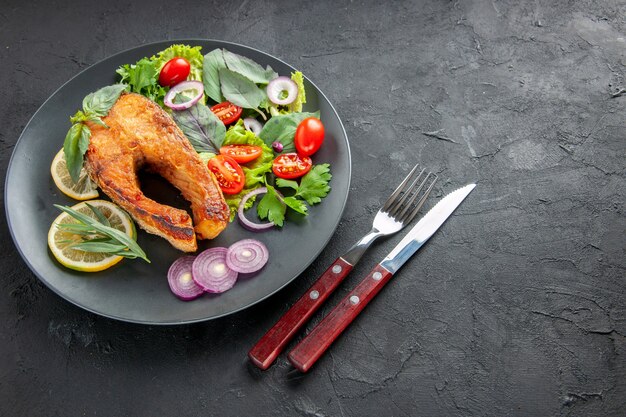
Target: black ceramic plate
<point>133,290</point>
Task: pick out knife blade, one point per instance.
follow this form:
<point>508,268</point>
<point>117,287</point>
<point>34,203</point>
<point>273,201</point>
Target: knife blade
<point>313,346</point>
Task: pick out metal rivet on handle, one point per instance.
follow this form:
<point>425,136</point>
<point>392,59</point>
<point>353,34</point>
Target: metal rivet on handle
<point>354,299</point>
<point>314,294</point>
<point>337,269</point>
<point>377,276</point>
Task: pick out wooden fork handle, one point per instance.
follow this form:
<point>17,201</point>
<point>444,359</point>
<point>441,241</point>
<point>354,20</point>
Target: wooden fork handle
<point>313,346</point>
<point>274,341</point>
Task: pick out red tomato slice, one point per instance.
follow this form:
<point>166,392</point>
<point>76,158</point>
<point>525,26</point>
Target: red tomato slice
<point>291,165</point>
<point>227,112</point>
<point>228,173</point>
<point>174,71</point>
<point>309,136</point>
<point>242,153</point>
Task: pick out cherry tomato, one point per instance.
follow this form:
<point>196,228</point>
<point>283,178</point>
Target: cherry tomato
<point>309,136</point>
<point>228,173</point>
<point>174,71</point>
<point>227,112</point>
<point>291,165</point>
<point>242,153</point>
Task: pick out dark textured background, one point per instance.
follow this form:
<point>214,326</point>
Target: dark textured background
<point>516,307</point>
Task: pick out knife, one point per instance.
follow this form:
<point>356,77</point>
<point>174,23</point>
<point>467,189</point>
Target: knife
<point>311,348</point>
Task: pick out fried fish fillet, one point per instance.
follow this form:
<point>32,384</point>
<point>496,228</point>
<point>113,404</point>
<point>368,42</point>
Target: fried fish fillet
<point>140,134</point>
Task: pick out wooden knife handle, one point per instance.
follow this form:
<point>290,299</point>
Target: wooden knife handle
<point>311,348</point>
<point>274,341</point>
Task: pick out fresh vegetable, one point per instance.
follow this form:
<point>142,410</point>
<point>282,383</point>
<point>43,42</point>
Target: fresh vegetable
<point>255,227</point>
<point>255,171</point>
<point>247,256</point>
<point>248,68</point>
<point>291,165</point>
<point>240,90</point>
<point>174,71</point>
<point>180,279</point>
<point>253,125</point>
<point>313,186</point>
<point>191,54</point>
<point>213,62</point>
<point>95,106</point>
<point>272,207</point>
<point>282,128</point>
<point>296,105</point>
<point>282,91</point>
<point>210,272</point>
<point>142,78</point>
<point>228,173</point>
<point>190,91</point>
<point>227,112</point>
<point>277,146</point>
<point>242,153</point>
<point>203,128</point>
<point>309,136</point>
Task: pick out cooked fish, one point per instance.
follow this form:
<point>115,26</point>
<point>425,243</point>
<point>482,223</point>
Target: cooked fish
<point>140,134</point>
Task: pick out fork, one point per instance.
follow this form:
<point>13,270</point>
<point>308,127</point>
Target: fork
<point>398,211</point>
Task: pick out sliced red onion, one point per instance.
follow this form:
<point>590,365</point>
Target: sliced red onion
<point>255,227</point>
<point>277,146</point>
<point>211,273</point>
<point>280,85</point>
<point>196,86</point>
<point>253,125</point>
<point>180,278</point>
<point>247,256</point>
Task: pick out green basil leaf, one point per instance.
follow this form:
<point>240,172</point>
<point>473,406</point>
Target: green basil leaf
<point>100,102</point>
<point>75,145</point>
<point>248,68</point>
<point>239,90</point>
<point>212,63</point>
<point>282,128</point>
<point>202,127</point>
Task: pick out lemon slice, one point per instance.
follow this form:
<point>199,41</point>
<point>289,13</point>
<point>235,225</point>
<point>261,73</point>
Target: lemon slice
<point>84,189</point>
<point>59,240</point>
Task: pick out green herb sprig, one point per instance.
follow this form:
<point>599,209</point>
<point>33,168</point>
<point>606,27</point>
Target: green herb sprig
<point>95,106</point>
<point>97,235</point>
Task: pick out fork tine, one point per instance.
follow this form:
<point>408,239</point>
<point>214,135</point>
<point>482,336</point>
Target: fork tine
<point>406,218</point>
<point>399,189</point>
<point>415,190</point>
<point>399,203</point>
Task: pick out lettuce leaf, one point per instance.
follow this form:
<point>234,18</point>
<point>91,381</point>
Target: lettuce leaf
<point>296,106</point>
<point>254,171</point>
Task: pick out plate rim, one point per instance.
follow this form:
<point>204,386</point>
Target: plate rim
<point>190,321</point>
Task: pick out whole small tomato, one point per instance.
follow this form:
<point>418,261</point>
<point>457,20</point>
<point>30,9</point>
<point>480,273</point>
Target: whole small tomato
<point>309,136</point>
<point>174,71</point>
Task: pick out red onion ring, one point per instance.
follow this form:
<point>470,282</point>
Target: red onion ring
<point>253,125</point>
<point>247,256</point>
<point>255,227</point>
<point>277,86</point>
<point>179,88</point>
<point>180,279</point>
<point>210,272</point>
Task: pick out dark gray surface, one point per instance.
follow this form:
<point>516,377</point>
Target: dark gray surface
<point>516,307</point>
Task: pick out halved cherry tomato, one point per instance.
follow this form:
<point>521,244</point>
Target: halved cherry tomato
<point>227,112</point>
<point>174,71</point>
<point>309,136</point>
<point>291,165</point>
<point>242,153</point>
<point>228,173</point>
